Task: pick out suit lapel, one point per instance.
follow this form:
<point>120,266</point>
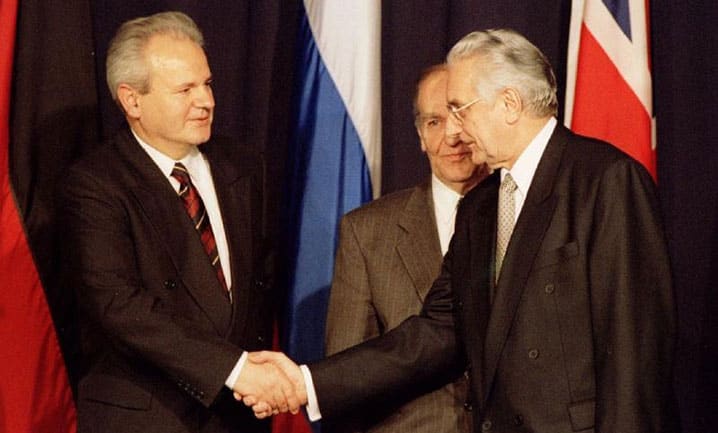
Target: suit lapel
<point>233,195</point>
<point>474,290</point>
<point>525,242</point>
<point>165,212</point>
<point>420,234</point>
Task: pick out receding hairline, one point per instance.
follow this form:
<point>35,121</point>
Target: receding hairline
<point>126,57</point>
<point>426,74</point>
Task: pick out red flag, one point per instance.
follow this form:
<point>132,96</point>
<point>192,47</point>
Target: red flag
<point>608,93</point>
<point>35,394</point>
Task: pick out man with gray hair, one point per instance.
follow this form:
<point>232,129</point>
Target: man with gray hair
<point>556,291</point>
<point>165,252</point>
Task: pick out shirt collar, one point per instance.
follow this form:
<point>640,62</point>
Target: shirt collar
<point>165,163</point>
<point>445,198</point>
<point>525,166</point>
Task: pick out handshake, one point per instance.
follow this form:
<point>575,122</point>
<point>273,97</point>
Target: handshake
<point>270,383</point>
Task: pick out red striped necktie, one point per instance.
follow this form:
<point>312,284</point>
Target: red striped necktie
<point>198,214</point>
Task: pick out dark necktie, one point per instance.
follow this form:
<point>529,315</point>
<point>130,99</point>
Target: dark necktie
<point>198,214</point>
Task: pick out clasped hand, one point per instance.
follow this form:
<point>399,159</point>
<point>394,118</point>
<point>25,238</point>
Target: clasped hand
<point>270,383</point>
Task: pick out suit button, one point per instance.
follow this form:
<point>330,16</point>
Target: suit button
<point>533,353</point>
<point>170,284</point>
<point>486,425</point>
<point>468,407</point>
<point>260,339</point>
<point>518,420</point>
<point>549,288</point>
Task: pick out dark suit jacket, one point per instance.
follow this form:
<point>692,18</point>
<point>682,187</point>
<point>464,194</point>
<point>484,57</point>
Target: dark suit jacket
<point>160,337</point>
<point>581,333</point>
<point>388,256</point>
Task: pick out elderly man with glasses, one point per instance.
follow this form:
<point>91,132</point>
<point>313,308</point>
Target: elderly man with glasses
<point>556,291</point>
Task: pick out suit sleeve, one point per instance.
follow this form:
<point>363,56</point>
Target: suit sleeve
<point>411,359</point>
<point>141,322</point>
<point>351,317</point>
<point>632,306</point>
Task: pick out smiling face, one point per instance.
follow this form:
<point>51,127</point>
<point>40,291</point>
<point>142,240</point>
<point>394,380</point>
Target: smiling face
<point>450,160</point>
<point>177,112</point>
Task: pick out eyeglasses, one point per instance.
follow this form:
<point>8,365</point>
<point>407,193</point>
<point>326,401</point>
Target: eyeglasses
<point>456,111</point>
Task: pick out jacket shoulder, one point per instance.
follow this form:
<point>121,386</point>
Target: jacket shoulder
<point>387,206</point>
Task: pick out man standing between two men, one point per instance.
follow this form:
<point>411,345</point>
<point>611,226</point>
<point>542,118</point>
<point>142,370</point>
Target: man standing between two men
<point>556,291</point>
<point>389,254</point>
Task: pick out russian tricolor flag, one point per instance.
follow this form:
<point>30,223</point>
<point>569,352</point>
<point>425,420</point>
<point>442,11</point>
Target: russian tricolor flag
<point>335,159</point>
<point>608,92</point>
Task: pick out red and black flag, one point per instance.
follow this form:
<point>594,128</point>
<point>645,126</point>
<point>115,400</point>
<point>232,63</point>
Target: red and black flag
<point>47,114</point>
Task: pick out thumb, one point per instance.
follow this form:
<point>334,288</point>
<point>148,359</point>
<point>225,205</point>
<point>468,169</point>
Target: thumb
<point>260,357</point>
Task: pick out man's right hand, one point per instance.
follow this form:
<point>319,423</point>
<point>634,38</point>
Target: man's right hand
<point>289,370</point>
<point>266,388</point>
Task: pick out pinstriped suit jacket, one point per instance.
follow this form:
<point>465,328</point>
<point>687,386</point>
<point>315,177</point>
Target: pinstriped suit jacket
<point>388,257</point>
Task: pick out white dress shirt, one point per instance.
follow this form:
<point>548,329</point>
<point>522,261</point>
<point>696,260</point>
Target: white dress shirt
<point>446,201</point>
<point>525,166</point>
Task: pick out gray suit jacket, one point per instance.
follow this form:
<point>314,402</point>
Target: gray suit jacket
<point>388,256</point>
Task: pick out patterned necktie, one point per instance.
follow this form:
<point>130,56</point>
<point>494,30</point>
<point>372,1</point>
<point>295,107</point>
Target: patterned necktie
<point>506,220</point>
<point>198,214</point>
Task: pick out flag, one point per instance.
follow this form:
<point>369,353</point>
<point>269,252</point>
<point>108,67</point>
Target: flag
<point>608,93</point>
<point>35,394</point>
<point>334,162</point>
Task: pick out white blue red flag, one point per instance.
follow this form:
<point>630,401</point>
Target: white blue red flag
<point>335,159</point>
<point>608,92</point>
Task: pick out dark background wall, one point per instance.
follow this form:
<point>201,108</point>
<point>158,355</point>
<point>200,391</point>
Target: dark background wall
<point>61,108</point>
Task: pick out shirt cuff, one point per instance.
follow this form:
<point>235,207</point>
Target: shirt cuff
<point>234,375</point>
<point>312,404</point>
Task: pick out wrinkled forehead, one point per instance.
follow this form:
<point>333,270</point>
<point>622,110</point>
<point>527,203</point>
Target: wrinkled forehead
<point>433,90</point>
<point>461,81</point>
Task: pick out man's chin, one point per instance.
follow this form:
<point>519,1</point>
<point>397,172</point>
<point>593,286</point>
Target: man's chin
<point>478,157</point>
<point>201,138</point>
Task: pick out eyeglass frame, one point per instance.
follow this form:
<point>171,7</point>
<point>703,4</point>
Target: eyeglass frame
<point>456,110</point>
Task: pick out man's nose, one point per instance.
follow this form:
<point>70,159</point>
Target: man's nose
<point>204,97</point>
<point>453,131</point>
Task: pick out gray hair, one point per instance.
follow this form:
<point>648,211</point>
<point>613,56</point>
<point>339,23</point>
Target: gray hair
<point>510,60</point>
<point>125,56</point>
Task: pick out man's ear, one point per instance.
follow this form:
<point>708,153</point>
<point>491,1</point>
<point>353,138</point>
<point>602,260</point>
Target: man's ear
<point>512,104</point>
<point>129,100</point>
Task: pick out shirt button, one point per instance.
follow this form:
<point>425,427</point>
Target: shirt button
<point>549,288</point>
<point>486,425</point>
<point>533,353</point>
